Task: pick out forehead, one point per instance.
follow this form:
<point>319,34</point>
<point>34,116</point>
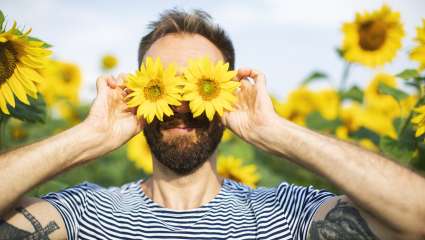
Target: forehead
<point>179,48</point>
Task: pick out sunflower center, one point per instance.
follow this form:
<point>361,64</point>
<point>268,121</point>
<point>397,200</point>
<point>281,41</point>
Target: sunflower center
<point>372,35</point>
<point>67,76</point>
<point>8,61</point>
<point>208,88</point>
<point>153,90</point>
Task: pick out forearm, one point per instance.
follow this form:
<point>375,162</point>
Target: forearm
<point>24,168</point>
<point>393,194</point>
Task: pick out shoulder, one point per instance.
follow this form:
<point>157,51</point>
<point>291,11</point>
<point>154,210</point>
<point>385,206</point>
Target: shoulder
<point>88,190</point>
<point>282,191</point>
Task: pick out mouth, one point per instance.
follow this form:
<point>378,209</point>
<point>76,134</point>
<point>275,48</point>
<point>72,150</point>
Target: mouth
<point>183,123</point>
<point>180,128</point>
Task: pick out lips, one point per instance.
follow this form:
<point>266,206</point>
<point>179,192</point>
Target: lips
<point>186,122</point>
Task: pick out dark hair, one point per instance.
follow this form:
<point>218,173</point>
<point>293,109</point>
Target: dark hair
<point>196,22</point>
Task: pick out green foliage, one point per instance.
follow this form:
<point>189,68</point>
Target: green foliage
<point>394,92</point>
<point>315,121</point>
<point>45,45</point>
<point>363,133</point>
<point>1,20</point>
<point>402,150</point>
<point>314,76</point>
<point>408,74</point>
<point>35,112</point>
<point>354,93</point>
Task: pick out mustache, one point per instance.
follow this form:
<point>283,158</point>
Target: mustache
<point>184,119</point>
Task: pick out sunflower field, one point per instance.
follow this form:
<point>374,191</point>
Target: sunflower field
<point>40,96</point>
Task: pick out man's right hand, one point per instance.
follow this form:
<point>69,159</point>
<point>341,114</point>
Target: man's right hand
<point>110,119</point>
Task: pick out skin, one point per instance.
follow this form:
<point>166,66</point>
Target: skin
<point>383,200</point>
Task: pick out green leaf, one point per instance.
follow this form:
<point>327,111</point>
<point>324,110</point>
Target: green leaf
<point>45,45</point>
<point>394,92</point>
<point>354,93</point>
<point>1,20</point>
<point>314,76</point>
<point>315,121</point>
<point>408,74</point>
<point>363,133</point>
<point>401,150</point>
<point>35,112</point>
<point>339,52</point>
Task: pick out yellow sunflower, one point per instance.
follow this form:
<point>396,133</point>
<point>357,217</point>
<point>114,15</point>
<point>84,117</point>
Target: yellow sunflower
<point>154,89</point>
<point>209,88</point>
<point>109,62</point>
<point>227,136</point>
<point>139,152</point>
<point>379,102</point>
<point>298,105</point>
<point>418,53</point>
<point>20,59</point>
<point>233,168</point>
<point>419,120</point>
<point>62,81</point>
<point>303,101</point>
<point>373,38</point>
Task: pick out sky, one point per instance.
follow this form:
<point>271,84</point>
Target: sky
<point>286,40</point>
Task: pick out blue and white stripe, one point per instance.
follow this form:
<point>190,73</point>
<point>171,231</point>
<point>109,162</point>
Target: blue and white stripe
<point>237,212</point>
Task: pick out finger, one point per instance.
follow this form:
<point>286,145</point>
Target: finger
<point>243,73</point>
<point>259,78</point>
<point>121,79</point>
<point>102,83</point>
<point>111,82</point>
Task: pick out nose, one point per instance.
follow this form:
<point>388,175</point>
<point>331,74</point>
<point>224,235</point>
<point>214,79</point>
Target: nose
<point>183,108</point>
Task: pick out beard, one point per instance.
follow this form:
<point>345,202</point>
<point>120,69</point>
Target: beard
<point>184,153</point>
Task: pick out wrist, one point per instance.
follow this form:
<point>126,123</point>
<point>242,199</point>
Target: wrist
<point>92,143</point>
<point>269,135</point>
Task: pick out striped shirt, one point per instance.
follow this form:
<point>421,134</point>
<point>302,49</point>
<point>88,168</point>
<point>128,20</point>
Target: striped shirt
<point>236,212</point>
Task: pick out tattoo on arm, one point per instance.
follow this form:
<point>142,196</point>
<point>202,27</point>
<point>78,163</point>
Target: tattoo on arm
<point>343,222</point>
<point>8,231</point>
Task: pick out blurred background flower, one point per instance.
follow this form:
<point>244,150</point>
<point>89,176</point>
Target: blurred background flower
<point>373,38</point>
<point>109,62</point>
<point>233,168</point>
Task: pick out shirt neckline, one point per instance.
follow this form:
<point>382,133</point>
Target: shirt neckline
<point>195,214</point>
<point>217,199</point>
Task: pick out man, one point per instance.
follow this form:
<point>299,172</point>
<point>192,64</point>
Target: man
<point>185,198</point>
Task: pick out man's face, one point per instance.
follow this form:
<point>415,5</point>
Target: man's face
<point>183,143</point>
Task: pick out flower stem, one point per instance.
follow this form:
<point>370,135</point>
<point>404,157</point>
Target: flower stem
<point>409,117</point>
<point>344,76</point>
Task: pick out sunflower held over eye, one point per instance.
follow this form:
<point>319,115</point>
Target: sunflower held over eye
<point>233,168</point>
<point>418,53</point>
<point>154,88</point>
<point>21,58</point>
<point>209,87</point>
<point>373,38</point>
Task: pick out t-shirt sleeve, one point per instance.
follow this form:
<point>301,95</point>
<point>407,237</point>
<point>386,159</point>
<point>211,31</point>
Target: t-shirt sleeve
<point>71,204</point>
<point>299,204</point>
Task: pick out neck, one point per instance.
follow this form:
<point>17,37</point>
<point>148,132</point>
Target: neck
<point>179,192</point>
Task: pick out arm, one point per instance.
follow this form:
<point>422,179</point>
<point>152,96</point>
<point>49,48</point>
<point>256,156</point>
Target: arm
<point>109,125</point>
<point>392,194</point>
